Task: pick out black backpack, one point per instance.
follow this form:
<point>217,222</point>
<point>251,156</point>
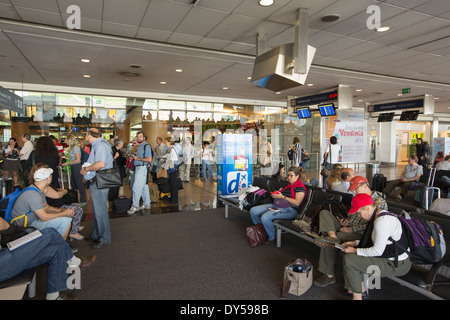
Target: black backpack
<point>256,198</point>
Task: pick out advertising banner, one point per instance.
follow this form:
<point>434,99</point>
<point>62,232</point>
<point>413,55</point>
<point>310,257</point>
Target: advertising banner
<point>234,163</point>
<point>440,145</point>
<point>350,127</point>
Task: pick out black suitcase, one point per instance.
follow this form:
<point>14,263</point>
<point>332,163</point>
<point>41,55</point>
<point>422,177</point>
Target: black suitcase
<point>163,185</point>
<point>379,182</point>
<point>121,205</point>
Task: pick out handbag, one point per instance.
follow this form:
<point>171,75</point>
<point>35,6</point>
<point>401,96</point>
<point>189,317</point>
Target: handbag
<point>281,203</point>
<point>325,172</point>
<point>257,235</point>
<point>109,178</point>
<point>297,278</point>
<point>121,205</point>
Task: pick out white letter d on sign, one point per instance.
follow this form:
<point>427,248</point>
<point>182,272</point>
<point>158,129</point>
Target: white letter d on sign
<point>74,21</point>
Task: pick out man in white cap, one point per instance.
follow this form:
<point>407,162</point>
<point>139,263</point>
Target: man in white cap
<point>31,208</point>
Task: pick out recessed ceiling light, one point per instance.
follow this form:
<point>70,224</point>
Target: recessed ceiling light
<point>383,29</point>
<point>178,70</point>
<point>85,60</point>
<point>224,88</point>
<point>163,82</point>
<point>249,78</point>
<point>278,92</point>
<point>358,90</point>
<point>399,94</point>
<point>86,75</point>
<point>266,3</point>
<point>310,84</point>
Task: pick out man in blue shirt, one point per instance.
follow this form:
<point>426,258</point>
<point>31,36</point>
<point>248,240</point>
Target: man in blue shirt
<point>100,158</point>
<point>142,158</point>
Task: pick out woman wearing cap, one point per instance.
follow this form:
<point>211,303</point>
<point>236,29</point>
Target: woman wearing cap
<point>286,201</point>
<point>374,249</point>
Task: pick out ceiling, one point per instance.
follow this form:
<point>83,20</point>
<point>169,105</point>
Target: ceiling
<point>214,43</point>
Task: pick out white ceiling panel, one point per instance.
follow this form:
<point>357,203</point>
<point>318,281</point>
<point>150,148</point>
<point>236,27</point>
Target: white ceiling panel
<point>156,15</point>
<point>214,42</point>
<point>124,12</point>
<point>200,20</point>
<point>232,27</point>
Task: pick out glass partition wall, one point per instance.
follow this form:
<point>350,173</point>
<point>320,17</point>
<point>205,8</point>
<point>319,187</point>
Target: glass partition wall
<point>59,114</point>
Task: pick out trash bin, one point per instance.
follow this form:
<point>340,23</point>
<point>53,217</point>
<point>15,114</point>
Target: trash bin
<point>371,170</point>
<point>6,186</point>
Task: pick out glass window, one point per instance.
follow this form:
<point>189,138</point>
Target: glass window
<point>199,106</point>
<point>172,105</point>
<point>150,104</point>
<point>192,116</point>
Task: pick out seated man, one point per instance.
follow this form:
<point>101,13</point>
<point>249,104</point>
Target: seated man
<point>445,165</point>
<point>347,174</point>
<point>342,230</point>
<point>31,208</point>
<point>51,249</point>
<point>412,173</point>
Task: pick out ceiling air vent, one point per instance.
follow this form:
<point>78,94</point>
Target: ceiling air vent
<point>129,74</point>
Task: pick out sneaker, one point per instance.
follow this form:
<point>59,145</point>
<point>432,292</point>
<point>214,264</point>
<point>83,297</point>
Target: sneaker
<point>82,204</point>
<point>133,210</point>
<point>145,207</point>
<point>398,198</point>
<point>324,281</point>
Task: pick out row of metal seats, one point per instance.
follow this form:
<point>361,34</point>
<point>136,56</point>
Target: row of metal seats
<point>430,280</point>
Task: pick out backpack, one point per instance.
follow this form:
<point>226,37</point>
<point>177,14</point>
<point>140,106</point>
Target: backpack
<point>256,198</point>
<point>425,239</point>
<point>179,151</point>
<point>290,154</point>
<point>7,203</point>
<point>379,182</point>
<point>155,165</point>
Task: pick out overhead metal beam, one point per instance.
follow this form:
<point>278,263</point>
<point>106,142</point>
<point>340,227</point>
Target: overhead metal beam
<point>301,41</point>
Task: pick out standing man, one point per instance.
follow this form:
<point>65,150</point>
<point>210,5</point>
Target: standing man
<point>142,158</point>
<point>100,158</point>
<point>422,152</point>
<point>24,153</point>
<point>188,154</point>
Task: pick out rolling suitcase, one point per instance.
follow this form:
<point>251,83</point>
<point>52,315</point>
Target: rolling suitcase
<point>424,194</point>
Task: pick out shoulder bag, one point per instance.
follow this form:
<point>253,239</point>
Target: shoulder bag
<point>109,178</point>
<point>326,172</point>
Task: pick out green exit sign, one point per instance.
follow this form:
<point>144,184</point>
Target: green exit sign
<point>407,90</point>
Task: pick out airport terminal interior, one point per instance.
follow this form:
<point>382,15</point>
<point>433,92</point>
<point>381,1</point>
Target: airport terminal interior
<point>245,76</point>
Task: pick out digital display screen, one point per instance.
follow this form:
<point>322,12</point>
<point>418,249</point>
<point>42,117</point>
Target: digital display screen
<point>409,115</point>
<point>303,113</point>
<point>327,110</point>
<point>386,117</point>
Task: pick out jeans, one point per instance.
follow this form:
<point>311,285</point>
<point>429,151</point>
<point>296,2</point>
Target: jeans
<point>100,225</point>
<point>140,187</point>
<point>50,249</point>
<point>262,214</point>
<point>206,164</point>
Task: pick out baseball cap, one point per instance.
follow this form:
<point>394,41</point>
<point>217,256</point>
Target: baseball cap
<point>359,201</point>
<point>355,182</point>
<point>42,174</point>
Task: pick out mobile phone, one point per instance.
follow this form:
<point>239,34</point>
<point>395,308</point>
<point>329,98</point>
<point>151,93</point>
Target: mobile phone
<point>339,246</point>
<point>274,209</point>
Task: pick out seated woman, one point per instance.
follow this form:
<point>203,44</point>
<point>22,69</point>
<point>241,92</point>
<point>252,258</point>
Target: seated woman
<point>280,173</point>
<point>374,248</point>
<point>52,193</point>
<point>306,181</point>
<point>286,203</point>
<point>335,176</point>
